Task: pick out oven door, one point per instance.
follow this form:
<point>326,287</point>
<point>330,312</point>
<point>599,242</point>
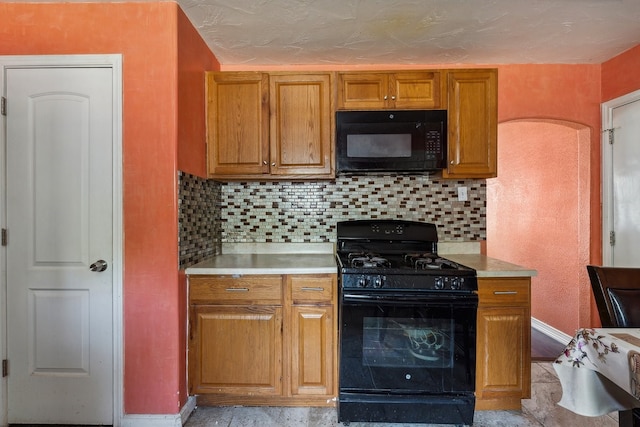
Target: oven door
<point>407,344</point>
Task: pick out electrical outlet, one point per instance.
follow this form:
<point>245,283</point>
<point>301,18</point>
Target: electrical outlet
<point>462,194</point>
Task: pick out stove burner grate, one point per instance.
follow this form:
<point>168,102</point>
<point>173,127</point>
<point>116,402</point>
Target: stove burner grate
<point>367,260</point>
<point>428,261</point>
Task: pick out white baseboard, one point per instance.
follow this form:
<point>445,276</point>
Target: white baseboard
<point>550,331</point>
<point>160,420</point>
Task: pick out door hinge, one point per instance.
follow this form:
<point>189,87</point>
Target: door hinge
<point>612,238</point>
<point>610,132</point>
<point>5,368</point>
<point>3,237</point>
<point>3,106</point>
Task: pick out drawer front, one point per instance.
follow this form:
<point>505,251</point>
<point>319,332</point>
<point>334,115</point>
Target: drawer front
<point>310,288</point>
<point>504,291</point>
<point>258,290</point>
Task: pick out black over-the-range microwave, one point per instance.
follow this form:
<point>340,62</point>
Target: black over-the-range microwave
<point>391,141</point>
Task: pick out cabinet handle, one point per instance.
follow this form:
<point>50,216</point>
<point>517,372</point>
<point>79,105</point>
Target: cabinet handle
<point>237,289</point>
<point>310,288</point>
<point>386,97</point>
<point>273,164</point>
<point>264,162</point>
<point>393,98</point>
<point>505,292</point>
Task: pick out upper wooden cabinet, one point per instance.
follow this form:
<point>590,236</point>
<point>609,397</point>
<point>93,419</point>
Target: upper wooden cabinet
<point>269,125</point>
<point>237,124</point>
<point>301,124</point>
<point>473,123</point>
<point>399,90</point>
<point>280,125</point>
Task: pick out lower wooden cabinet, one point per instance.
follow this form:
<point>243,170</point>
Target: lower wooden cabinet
<point>246,345</point>
<point>312,346</point>
<point>503,374</point>
<point>263,340</point>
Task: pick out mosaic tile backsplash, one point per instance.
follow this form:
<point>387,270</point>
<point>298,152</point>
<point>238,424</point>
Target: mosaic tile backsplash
<point>307,212</point>
<point>199,224</point>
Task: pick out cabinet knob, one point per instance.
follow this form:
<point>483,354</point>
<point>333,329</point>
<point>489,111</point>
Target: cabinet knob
<point>273,164</point>
<point>386,97</point>
<point>393,98</point>
<point>264,162</point>
<point>451,162</point>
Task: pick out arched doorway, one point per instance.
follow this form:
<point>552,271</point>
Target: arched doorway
<point>538,215</point>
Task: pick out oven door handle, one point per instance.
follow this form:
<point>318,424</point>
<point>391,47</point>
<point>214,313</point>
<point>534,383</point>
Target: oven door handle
<point>468,298</point>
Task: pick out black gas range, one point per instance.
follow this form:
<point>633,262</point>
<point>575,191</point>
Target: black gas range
<point>407,321</point>
<point>395,255</point>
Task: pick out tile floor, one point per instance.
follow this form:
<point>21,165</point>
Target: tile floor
<point>540,410</point>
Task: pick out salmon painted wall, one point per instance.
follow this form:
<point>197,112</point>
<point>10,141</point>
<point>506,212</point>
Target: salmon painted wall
<point>620,74</point>
<point>550,116</point>
<point>537,214</point>
<point>194,58</point>
<point>558,92</point>
<point>145,33</point>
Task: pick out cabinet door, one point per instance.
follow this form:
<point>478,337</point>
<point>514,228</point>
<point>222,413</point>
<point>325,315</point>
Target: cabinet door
<point>503,374</point>
<point>235,350</point>
<point>502,348</point>
<point>237,123</point>
<point>301,125</point>
<point>312,348</point>
<point>416,90</point>
<point>473,124</point>
<point>362,91</point>
<point>377,91</point>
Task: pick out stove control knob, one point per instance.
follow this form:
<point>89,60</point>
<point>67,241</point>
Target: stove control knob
<point>455,283</point>
<point>362,282</point>
<point>439,283</point>
<point>378,282</point>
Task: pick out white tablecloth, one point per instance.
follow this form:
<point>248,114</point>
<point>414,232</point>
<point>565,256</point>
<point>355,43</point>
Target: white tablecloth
<point>599,371</point>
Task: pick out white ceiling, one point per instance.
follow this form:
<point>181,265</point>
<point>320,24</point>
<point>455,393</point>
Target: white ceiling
<point>353,32</point>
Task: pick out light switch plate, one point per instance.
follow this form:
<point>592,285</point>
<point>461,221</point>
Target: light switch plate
<point>462,194</point>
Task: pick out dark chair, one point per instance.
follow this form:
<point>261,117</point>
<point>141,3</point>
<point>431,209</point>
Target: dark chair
<point>617,294</point>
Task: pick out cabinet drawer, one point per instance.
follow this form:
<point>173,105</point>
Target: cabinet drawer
<point>504,291</point>
<point>257,290</point>
<point>312,288</point>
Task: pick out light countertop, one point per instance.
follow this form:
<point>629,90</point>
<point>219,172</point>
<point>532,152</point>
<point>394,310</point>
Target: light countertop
<point>321,260</point>
<point>278,263</point>
<point>491,267</point>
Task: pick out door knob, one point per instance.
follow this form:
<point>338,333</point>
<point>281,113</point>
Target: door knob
<point>98,266</point>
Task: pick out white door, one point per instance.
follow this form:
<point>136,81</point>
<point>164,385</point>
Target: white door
<point>621,184</point>
<point>59,221</point>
